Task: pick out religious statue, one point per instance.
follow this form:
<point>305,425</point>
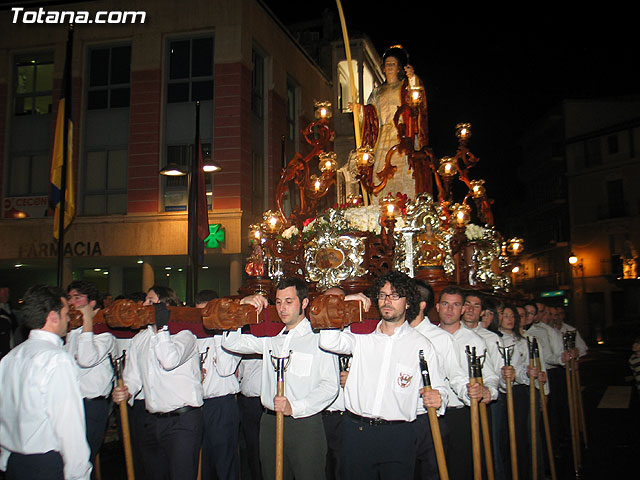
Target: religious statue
<point>395,126</point>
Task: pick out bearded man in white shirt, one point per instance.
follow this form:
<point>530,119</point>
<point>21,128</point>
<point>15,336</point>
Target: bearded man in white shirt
<point>311,383</point>
<point>38,382</point>
<point>385,384</point>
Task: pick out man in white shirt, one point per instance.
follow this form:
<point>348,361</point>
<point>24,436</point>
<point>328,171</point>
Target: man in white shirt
<point>220,410</point>
<point>384,382</point>
<point>450,310</point>
<point>456,380</point>
<point>38,382</point>
<point>167,369</point>
<point>91,353</point>
<point>310,383</point>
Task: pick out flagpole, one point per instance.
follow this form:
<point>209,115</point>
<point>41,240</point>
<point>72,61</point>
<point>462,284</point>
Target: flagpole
<point>192,217</point>
<point>65,154</point>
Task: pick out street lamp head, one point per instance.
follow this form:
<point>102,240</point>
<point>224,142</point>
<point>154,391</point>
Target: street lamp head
<point>210,166</point>
<point>573,260</point>
<point>174,170</point>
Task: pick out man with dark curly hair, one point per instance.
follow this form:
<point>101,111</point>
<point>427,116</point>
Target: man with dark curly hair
<point>385,384</point>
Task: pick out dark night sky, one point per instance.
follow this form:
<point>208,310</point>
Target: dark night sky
<point>497,69</point>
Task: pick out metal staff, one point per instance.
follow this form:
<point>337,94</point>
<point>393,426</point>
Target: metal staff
<point>280,365</point>
<point>118,366</point>
<point>433,421</point>
<point>533,411</point>
<point>507,353</point>
<point>545,413</point>
<point>571,401</point>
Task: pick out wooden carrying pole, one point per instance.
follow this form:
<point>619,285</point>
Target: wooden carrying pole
<point>474,374</point>
<point>533,415</point>
<point>583,423</point>
<point>280,365</point>
<point>433,422</point>
<point>118,366</point>
<point>506,353</point>
<point>571,405</point>
<point>486,436</point>
<point>545,418</point>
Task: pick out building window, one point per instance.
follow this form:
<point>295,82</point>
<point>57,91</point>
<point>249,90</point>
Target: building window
<point>292,111</point>
<point>190,70</point>
<point>257,85</point>
<point>109,78</point>
<point>612,144</point>
<point>615,198</point>
<point>105,182</point>
<point>29,175</point>
<point>175,191</point>
<point>593,155</point>
<point>34,84</point>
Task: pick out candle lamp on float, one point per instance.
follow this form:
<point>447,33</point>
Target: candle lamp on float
<point>389,209</point>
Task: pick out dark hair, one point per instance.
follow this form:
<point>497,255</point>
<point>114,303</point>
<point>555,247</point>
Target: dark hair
<point>489,305</point>
<point>516,321</point>
<point>471,293</point>
<point>135,296</point>
<point>532,304</point>
<point>426,293</point>
<point>302,290</point>
<point>452,290</point>
<point>399,54</point>
<point>405,286</point>
<point>85,288</point>
<point>39,300</point>
<point>203,296</point>
<point>166,295</point>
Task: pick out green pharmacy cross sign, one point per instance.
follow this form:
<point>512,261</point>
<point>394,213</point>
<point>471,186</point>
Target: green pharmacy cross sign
<point>216,236</point>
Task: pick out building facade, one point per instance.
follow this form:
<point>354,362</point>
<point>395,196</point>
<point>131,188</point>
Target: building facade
<point>135,85</point>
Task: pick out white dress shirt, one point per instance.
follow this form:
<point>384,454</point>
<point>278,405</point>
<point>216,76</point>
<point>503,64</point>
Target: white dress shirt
<point>166,368</point>
<point>464,337</point>
<point>310,380</point>
<point>549,343</point>
<point>41,404</point>
<point>250,375</point>
<point>91,353</point>
<point>385,377</point>
<point>456,378</point>
<point>220,366</point>
<point>493,341</point>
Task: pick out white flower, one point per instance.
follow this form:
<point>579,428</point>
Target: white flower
<point>290,232</point>
<point>474,232</point>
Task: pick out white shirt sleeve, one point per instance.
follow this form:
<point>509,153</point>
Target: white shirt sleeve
<point>175,350</point>
<point>94,349</point>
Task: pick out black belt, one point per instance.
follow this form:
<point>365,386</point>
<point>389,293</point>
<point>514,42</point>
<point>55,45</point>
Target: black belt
<point>175,413</point>
<point>328,413</point>
<point>96,399</point>
<point>372,421</point>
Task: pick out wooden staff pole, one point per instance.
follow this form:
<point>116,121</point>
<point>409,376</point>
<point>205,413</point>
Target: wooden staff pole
<point>118,365</point>
<point>506,353</point>
<point>433,422</point>
<point>475,417</point>
<point>545,421</point>
<point>280,365</point>
<point>532,417</point>
<point>576,419</point>
<point>571,405</point>
<point>126,435</point>
<point>486,436</point>
<point>583,423</point>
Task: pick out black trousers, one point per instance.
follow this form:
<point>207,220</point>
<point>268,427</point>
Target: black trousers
<point>332,421</point>
<point>377,451</point>
<point>426,463</point>
<point>305,447</point>
<point>220,438</point>
<point>459,448</point>
<point>170,445</point>
<point>42,466</point>
<point>96,413</point>
<point>250,414</point>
